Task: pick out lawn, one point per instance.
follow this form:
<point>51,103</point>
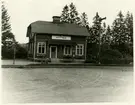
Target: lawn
<point>95,84</point>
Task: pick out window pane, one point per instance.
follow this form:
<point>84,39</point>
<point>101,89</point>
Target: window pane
<point>68,50</point>
<point>65,50</point>
<point>39,49</point>
<point>43,49</point>
<point>77,51</point>
<point>80,51</point>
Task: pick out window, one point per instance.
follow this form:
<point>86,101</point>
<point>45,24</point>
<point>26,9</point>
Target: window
<point>79,49</point>
<point>41,48</point>
<point>67,50</point>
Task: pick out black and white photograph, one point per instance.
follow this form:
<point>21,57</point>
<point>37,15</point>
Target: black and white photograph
<point>67,51</point>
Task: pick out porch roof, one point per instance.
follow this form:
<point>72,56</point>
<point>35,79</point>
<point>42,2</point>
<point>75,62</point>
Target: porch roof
<point>62,42</point>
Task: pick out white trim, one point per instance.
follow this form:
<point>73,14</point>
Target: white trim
<point>79,50</point>
<point>41,49</point>
<point>51,51</point>
<point>37,46</point>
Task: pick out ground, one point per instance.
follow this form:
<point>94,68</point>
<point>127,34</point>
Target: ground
<point>94,84</point>
<point>18,62</point>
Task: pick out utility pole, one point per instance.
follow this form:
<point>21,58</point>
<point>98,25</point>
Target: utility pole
<point>100,20</point>
<point>14,47</point>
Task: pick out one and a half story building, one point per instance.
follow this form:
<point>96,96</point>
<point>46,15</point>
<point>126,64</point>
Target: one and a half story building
<point>56,40</point>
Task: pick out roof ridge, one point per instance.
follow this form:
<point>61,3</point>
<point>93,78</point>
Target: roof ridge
<point>41,21</point>
<point>57,23</point>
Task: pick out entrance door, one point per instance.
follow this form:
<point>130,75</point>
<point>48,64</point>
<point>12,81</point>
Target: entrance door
<point>53,52</point>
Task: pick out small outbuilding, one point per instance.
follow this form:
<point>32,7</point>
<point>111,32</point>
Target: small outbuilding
<point>56,40</point>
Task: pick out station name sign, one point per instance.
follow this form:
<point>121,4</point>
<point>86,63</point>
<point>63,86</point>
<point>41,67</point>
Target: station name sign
<point>61,37</point>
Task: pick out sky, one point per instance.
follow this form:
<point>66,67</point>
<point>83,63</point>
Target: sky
<point>24,12</point>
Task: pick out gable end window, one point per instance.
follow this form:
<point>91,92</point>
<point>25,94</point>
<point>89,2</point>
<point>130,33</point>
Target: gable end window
<point>79,49</point>
<point>41,48</point>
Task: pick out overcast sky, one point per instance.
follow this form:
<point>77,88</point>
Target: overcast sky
<point>23,12</point>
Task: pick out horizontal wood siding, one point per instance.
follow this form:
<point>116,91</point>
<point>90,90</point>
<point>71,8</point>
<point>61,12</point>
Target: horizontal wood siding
<point>79,40</point>
<point>60,48</point>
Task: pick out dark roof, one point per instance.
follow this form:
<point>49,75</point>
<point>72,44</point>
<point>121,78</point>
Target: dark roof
<point>58,28</point>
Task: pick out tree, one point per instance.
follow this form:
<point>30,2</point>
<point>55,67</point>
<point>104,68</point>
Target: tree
<point>7,35</point>
<point>96,30</point>
<point>119,30</point>
<point>103,35</point>
<point>84,20</point>
<point>8,39</point>
<point>70,15</point>
<point>129,33</point>
<point>6,27</point>
<point>122,34</point>
<point>106,38</point>
<point>129,27</point>
<point>65,14</point>
<point>74,15</point>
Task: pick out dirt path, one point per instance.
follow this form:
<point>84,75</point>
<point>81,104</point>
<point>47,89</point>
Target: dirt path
<point>68,85</point>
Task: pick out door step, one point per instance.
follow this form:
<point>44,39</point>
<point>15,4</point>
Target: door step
<point>53,60</point>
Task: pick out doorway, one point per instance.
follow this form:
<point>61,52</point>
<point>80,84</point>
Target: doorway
<point>53,51</point>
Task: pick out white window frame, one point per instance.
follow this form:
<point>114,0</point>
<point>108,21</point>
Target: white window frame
<point>65,50</point>
<point>79,49</point>
<point>41,47</point>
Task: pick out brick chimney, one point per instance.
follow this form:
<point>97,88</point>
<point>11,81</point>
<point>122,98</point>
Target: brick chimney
<point>56,19</point>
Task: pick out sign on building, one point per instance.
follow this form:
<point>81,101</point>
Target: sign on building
<point>61,37</point>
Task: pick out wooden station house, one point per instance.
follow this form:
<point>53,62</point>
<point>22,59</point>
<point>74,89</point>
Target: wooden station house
<point>56,40</point>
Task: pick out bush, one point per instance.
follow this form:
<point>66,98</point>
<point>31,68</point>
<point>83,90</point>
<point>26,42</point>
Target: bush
<point>104,47</point>
<point>7,53</point>
<point>128,59</point>
<point>92,53</point>
<point>124,48</point>
<point>115,57</point>
<point>21,52</point>
<point>91,59</point>
<point>110,57</point>
<point>67,56</point>
<point>79,57</point>
<point>109,53</point>
<point>110,61</point>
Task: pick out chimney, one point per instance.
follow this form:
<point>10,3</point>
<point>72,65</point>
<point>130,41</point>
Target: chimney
<point>56,19</point>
